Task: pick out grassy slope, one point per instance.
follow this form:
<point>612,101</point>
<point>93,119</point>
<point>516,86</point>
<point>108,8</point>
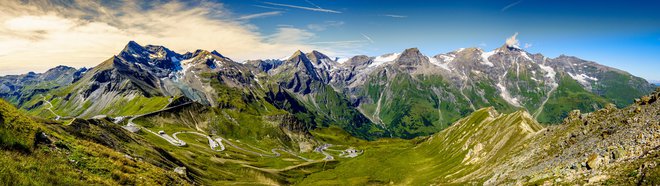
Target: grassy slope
<point>621,89</point>
<point>569,96</point>
<point>67,160</point>
<point>438,159</point>
<point>247,120</point>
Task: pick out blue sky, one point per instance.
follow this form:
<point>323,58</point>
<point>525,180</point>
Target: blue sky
<point>621,34</point>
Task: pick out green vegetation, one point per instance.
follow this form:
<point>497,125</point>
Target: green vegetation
<point>16,131</point>
<point>569,96</point>
<point>41,153</point>
<point>621,89</point>
<point>441,158</point>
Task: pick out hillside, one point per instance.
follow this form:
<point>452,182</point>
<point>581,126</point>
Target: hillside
<point>609,146</point>
<point>40,152</point>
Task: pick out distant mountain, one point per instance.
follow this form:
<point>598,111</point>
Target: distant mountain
<point>412,94</point>
<point>655,82</point>
<point>403,94</point>
<point>21,88</point>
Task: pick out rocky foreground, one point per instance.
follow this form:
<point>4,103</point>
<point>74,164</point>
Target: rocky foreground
<point>609,146</point>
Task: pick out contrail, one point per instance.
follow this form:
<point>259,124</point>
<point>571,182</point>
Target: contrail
<point>511,5</point>
<point>367,37</point>
<point>304,8</point>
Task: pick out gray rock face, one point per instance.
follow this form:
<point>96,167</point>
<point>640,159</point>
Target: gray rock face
<point>411,58</point>
<point>298,74</point>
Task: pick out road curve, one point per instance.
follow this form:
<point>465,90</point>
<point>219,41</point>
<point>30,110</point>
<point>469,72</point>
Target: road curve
<point>217,142</point>
<point>212,143</point>
<point>50,106</point>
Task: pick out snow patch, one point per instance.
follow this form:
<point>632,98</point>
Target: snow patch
<point>447,58</point>
<point>524,54</point>
<point>582,78</point>
<point>550,74</point>
<point>507,96</point>
<point>342,59</point>
<point>485,56</point>
<point>437,62</point>
<point>384,59</point>
<point>185,65</point>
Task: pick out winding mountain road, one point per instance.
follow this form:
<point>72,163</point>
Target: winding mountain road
<point>50,106</point>
<point>217,142</point>
<point>321,149</point>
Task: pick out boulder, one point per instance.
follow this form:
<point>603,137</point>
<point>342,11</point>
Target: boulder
<point>593,161</point>
<point>180,170</point>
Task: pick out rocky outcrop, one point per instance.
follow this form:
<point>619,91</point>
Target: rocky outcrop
<point>615,146</point>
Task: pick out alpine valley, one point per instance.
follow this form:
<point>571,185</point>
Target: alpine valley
<point>151,116</point>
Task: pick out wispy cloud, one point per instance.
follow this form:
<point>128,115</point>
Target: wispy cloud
<point>325,25</point>
<point>511,5</point>
<point>394,15</point>
<point>316,9</point>
<point>260,15</point>
<point>367,37</point>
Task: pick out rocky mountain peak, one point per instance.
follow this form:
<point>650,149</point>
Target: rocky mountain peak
<point>205,54</point>
<point>320,61</point>
<point>358,60</point>
<point>132,49</point>
<point>214,52</point>
<point>132,45</point>
<point>298,55</point>
<point>411,57</point>
<point>316,56</point>
<point>299,58</point>
<point>60,68</point>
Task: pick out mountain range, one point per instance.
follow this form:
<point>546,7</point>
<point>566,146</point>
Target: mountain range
<point>151,116</point>
<point>403,94</point>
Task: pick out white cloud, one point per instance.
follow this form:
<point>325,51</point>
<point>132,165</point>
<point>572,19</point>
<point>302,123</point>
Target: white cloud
<point>40,35</point>
<point>512,41</point>
<point>528,45</point>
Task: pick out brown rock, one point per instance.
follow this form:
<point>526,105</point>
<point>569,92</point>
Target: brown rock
<point>645,100</point>
<point>593,161</point>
